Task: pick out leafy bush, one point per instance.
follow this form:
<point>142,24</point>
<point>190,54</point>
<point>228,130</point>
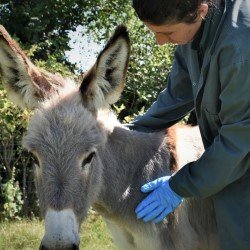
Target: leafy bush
<point>13,123</point>
<point>12,199</point>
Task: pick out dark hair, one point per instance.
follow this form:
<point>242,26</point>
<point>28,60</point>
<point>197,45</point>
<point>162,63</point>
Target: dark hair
<point>168,11</point>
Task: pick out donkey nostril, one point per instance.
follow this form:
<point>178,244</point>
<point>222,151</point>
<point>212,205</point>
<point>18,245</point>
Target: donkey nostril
<point>75,247</point>
<point>42,247</point>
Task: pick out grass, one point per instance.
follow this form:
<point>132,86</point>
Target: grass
<point>27,234</point>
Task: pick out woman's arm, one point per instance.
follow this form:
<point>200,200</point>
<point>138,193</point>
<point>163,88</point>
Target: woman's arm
<point>228,158</point>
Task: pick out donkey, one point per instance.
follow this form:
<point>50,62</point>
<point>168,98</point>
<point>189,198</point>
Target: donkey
<point>85,157</point>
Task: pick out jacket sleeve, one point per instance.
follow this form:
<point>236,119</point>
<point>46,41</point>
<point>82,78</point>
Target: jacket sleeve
<point>172,104</point>
<point>228,157</point>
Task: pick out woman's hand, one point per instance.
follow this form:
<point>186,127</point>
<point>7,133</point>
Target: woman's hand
<point>160,202</point>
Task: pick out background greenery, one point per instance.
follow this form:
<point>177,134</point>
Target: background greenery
<point>42,28</point>
<point>27,234</point>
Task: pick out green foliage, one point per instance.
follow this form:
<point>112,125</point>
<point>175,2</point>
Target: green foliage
<point>12,123</point>
<point>24,234</point>
<point>12,199</point>
<point>45,23</point>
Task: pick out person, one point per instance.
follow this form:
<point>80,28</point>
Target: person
<point>211,75</point>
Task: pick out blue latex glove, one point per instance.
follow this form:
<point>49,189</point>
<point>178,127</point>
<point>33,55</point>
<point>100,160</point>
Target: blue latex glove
<point>160,202</point>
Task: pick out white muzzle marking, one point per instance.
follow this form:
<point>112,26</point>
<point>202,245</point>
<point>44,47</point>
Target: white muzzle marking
<point>61,229</point>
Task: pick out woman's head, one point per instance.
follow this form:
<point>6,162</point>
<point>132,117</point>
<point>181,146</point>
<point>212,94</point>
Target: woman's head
<point>173,21</point>
<point>158,12</point>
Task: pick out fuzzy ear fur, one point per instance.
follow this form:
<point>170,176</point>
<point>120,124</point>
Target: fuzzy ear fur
<point>26,84</point>
<point>104,83</point>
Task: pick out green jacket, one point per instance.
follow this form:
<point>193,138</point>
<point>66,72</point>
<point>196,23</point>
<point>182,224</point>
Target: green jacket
<point>218,88</point>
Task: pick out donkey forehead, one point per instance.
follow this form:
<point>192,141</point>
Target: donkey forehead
<point>63,123</point>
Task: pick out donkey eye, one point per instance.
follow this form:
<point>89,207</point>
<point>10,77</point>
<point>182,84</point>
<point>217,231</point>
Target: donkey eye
<point>88,159</point>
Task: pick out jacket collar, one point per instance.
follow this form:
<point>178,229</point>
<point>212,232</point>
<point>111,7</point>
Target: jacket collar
<point>212,28</point>
<point>197,40</point>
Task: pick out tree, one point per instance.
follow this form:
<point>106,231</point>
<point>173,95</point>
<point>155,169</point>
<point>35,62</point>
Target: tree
<point>46,23</point>
<point>43,27</point>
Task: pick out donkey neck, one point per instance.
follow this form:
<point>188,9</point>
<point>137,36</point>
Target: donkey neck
<point>131,159</point>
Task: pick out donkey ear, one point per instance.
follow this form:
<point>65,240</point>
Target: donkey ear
<point>104,83</point>
<point>26,84</point>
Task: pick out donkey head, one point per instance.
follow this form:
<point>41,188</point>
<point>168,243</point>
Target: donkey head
<point>64,134</point>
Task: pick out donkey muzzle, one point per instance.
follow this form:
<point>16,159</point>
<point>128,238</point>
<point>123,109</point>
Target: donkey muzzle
<point>61,231</point>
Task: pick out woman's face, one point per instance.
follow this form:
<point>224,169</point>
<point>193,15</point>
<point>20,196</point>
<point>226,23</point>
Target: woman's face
<point>179,33</point>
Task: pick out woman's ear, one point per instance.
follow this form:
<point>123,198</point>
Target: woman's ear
<point>203,10</point>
